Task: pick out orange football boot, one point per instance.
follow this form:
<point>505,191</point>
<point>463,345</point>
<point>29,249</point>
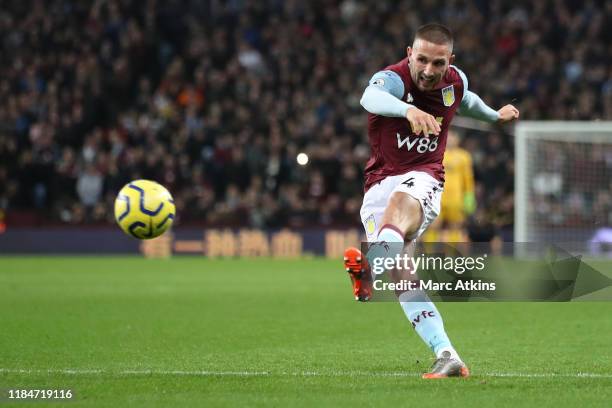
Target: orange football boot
<point>446,366</point>
<point>357,267</point>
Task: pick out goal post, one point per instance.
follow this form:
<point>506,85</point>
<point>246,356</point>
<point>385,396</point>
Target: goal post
<point>563,181</point>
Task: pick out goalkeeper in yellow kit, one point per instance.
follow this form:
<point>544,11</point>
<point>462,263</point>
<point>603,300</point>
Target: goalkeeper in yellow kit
<point>458,200</point>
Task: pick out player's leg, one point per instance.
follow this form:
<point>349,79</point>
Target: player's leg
<point>411,208</point>
<point>403,216</point>
<point>355,264</point>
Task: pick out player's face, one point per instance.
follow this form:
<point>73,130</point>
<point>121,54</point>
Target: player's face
<point>428,63</point>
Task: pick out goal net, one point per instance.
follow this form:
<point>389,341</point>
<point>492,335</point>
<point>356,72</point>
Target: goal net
<point>563,183</point>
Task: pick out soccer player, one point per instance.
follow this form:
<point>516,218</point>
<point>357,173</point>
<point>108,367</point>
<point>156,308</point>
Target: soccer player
<point>411,105</point>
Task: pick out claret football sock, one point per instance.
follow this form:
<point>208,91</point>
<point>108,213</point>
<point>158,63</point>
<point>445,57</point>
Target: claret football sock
<point>390,233</point>
<point>426,320</point>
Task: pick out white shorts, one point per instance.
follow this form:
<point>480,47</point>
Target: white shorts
<point>420,185</point>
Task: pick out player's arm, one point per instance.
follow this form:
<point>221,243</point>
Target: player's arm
<point>383,96</point>
<point>474,107</point>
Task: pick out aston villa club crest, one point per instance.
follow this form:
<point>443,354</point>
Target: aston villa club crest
<point>448,95</point>
<point>370,224</point>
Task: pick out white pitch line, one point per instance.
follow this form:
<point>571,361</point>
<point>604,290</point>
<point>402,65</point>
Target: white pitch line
<point>551,375</point>
<point>195,373</point>
<point>72,371</point>
<point>205,373</point>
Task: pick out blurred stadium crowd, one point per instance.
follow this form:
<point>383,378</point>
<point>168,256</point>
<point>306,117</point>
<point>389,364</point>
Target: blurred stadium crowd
<point>215,99</point>
<point>564,196</point>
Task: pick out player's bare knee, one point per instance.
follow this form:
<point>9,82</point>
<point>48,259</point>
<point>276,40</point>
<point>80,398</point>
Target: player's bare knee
<point>403,211</point>
<point>415,215</point>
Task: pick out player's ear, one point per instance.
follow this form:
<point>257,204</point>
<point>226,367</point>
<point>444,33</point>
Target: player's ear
<point>409,51</point>
<point>451,60</point>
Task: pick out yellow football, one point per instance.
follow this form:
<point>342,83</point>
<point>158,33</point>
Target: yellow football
<point>144,209</point>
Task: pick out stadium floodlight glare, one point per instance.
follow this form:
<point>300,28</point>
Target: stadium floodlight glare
<point>302,159</point>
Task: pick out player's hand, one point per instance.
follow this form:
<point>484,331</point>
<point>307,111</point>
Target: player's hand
<point>421,121</point>
<point>507,114</point>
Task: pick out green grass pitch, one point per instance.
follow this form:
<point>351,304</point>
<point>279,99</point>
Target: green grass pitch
<point>196,332</point>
